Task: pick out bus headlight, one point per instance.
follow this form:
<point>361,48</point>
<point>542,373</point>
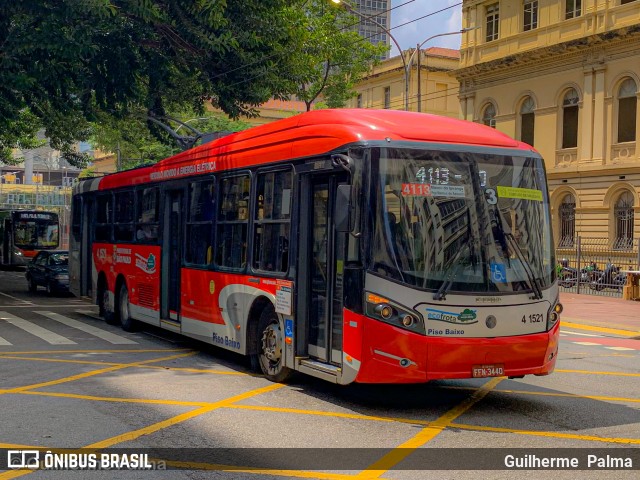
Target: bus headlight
<point>382,309</point>
<point>553,315</point>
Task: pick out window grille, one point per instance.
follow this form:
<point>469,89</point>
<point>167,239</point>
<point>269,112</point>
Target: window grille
<point>623,213</point>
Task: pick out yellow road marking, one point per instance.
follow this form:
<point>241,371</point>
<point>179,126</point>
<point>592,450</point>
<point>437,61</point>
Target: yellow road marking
<point>156,367</point>
<point>92,398</point>
<point>587,372</point>
<point>126,437</point>
<point>132,435</point>
<point>592,328</point>
<point>572,395</point>
<point>59,352</point>
<point>428,433</point>
<point>92,373</point>
<point>591,438</point>
<point>325,414</point>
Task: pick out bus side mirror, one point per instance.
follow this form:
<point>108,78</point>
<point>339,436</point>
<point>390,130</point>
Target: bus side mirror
<point>343,209</point>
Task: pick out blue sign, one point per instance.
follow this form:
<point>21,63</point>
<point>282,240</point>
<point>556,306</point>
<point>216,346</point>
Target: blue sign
<point>288,328</point>
<point>498,273</point>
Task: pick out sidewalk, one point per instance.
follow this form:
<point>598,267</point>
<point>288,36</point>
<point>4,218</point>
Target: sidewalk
<point>601,312</point>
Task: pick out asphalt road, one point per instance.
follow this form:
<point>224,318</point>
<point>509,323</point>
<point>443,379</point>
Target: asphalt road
<point>68,380</point>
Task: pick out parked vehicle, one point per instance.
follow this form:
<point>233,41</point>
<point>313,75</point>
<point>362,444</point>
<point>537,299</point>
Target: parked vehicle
<point>50,269</point>
<point>610,277</point>
<point>568,276</point>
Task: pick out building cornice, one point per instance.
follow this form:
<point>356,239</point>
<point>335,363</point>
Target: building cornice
<point>553,55</point>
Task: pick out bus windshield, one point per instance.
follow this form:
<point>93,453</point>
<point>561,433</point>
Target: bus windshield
<point>36,233</point>
<point>462,221</point>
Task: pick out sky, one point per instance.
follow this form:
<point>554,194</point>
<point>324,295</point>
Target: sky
<point>411,34</point>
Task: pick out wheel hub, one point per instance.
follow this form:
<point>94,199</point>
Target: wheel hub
<point>272,343</point>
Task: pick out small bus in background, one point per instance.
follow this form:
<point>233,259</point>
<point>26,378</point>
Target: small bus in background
<point>372,246</point>
<point>24,233</point>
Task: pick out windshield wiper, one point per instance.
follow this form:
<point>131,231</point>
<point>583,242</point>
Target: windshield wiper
<point>449,275</point>
<point>513,244</point>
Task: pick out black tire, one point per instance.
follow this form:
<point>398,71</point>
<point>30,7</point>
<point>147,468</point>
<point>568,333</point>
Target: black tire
<point>103,304</point>
<point>127,323</point>
<point>270,347</point>
<point>33,286</point>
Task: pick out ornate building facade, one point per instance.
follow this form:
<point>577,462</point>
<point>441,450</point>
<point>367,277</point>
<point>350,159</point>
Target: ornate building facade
<point>564,76</point>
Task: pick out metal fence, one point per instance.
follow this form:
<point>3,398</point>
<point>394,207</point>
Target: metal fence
<point>593,265</point>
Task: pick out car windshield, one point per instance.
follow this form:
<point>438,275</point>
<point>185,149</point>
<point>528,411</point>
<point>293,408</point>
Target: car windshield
<point>477,222</point>
<point>59,259</point>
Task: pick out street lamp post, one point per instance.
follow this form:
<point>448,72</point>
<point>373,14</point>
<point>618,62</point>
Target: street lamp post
<point>350,9</point>
<point>405,64</point>
<point>408,64</point>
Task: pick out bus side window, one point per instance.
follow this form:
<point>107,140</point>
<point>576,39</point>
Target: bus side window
<point>200,223</point>
<point>272,221</point>
<point>123,216</point>
<point>232,222</point>
<point>104,216</point>
<point>147,215</point>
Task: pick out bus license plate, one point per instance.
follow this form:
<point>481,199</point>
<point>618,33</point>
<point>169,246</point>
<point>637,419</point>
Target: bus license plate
<point>482,371</point>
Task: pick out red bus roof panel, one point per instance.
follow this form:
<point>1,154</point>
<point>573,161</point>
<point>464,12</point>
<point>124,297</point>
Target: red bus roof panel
<point>313,133</point>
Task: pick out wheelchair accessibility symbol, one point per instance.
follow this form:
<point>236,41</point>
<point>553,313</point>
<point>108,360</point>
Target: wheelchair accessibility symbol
<point>288,328</point>
<point>498,273</point>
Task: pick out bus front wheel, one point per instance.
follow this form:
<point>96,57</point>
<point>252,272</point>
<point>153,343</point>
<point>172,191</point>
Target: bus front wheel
<point>271,347</point>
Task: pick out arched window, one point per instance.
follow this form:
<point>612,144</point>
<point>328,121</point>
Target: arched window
<point>570,119</point>
<point>627,107</point>
<point>567,221</point>
<point>489,116</point>
<point>527,120</point>
<point>623,214</point>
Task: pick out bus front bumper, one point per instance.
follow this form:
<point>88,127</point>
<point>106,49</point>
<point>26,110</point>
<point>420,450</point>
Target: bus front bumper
<point>393,355</point>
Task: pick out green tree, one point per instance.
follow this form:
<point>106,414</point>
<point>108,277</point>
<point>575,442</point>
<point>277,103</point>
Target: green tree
<point>73,62</point>
<point>332,54</point>
<point>136,145</point>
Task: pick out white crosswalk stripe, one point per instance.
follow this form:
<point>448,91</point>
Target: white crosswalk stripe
<point>90,329</point>
<point>586,343</point>
<point>619,348</point>
<point>34,329</point>
<point>4,342</point>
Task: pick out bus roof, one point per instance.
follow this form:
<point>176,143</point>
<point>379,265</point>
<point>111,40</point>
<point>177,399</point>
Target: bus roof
<point>309,134</point>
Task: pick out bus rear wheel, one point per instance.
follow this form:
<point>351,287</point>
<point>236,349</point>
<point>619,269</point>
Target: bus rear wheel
<point>128,324</point>
<point>104,305</point>
<point>271,347</point>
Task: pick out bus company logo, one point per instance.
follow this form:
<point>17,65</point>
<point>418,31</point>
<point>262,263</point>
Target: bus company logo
<point>102,254</point>
<point>147,265</point>
<point>467,316</point>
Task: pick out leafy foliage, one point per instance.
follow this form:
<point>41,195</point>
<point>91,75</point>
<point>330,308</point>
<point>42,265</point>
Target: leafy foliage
<point>136,145</point>
<point>72,62</point>
<point>68,65</point>
<point>333,53</point>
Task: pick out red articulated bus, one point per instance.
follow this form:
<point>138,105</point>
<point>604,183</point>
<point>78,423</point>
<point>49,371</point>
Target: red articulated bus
<point>352,245</point>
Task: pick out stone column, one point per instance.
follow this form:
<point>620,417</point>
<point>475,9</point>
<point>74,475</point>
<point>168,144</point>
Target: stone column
<point>585,118</point>
<point>599,117</point>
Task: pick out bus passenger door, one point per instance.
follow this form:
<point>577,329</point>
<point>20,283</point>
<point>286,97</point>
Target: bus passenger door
<point>86,211</point>
<point>324,267</point>
<point>171,256</point>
